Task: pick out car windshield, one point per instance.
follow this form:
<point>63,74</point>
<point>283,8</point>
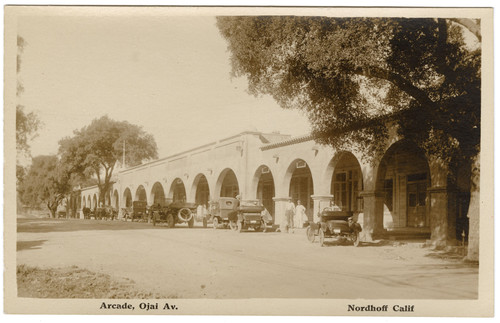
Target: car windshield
<point>250,203</point>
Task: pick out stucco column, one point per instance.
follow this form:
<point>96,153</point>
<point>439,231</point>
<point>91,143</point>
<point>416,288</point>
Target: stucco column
<point>438,213</point>
<point>320,202</point>
<point>279,209</point>
<point>372,215</point>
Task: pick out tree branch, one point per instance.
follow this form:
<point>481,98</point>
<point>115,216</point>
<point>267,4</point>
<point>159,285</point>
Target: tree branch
<point>398,81</point>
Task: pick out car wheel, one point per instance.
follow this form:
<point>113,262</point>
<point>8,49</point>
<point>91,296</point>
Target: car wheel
<point>310,234</point>
<point>215,222</point>
<point>355,239</point>
<point>170,221</point>
<point>321,238</point>
<point>233,226</point>
<point>191,223</point>
<point>185,214</point>
<point>205,224</point>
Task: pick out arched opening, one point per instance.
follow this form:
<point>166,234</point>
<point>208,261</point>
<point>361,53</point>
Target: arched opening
<point>301,186</point>
<point>108,198</point>
<point>127,197</point>
<point>94,202</point>
<point>116,200</point>
<point>140,194</point>
<point>158,194</point>
<point>347,182</point>
<point>202,195</point>
<point>265,188</point>
<point>178,191</point>
<point>84,201</point>
<point>228,183</point>
<point>403,176</point>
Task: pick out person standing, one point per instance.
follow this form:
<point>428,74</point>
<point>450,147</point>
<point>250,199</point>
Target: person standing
<point>289,215</point>
<point>300,215</point>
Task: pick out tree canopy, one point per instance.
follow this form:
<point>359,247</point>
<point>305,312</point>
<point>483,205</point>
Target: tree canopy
<point>95,149</point>
<point>27,125</point>
<point>357,77</point>
<point>46,182</point>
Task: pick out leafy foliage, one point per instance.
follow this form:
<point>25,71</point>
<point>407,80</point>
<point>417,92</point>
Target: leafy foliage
<point>45,182</point>
<point>95,149</point>
<point>358,77</point>
<point>27,125</point>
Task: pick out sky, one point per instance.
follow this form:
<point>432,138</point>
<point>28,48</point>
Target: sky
<point>170,75</point>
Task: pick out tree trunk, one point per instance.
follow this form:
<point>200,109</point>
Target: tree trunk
<point>53,211</point>
<point>473,212</point>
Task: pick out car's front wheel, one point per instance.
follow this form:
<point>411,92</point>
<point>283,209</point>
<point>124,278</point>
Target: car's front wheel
<point>321,238</point>
<point>233,225</point>
<point>355,239</point>
<point>310,234</point>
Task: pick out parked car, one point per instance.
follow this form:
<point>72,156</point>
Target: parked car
<point>335,224</point>
<point>106,213</point>
<point>250,215</point>
<point>237,215</point>
<point>176,212</point>
<point>139,211</point>
<point>224,213</point>
<point>86,212</point>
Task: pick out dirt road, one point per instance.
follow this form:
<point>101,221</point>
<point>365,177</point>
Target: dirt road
<point>207,263</point>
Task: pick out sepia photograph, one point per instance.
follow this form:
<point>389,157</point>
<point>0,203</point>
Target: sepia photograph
<point>248,161</point>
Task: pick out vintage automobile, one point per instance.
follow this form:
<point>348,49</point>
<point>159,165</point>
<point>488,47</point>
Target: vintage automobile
<point>239,216</point>
<point>139,211</point>
<point>175,212</point>
<point>250,215</point>
<point>335,224</point>
<point>89,213</point>
<point>224,213</point>
<point>105,213</point>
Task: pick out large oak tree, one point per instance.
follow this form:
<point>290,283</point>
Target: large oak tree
<point>94,150</point>
<point>358,77</point>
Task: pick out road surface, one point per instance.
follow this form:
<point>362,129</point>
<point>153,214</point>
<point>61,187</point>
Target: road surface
<point>208,263</point>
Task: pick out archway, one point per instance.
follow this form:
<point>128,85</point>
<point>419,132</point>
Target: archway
<point>301,186</point>
<point>158,194</point>
<point>116,200</point>
<point>264,180</point>
<point>108,198</point>
<point>127,197</point>
<point>140,194</point>
<point>202,190</point>
<point>227,184</point>
<point>347,182</point>
<point>177,191</point>
<point>403,176</point>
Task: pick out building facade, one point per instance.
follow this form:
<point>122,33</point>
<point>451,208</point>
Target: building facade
<point>404,191</point>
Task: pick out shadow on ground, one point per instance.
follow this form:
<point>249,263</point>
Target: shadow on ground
<point>67,225</point>
<point>35,244</point>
